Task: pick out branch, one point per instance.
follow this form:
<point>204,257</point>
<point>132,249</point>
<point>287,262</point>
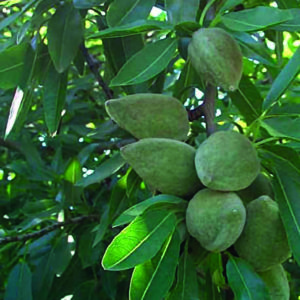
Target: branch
<point>206,109</point>
<point>114,145</point>
<point>10,144</point>
<point>94,67</point>
<point>39,233</point>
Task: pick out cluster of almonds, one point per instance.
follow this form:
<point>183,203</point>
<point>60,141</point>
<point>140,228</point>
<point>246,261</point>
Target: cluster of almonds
<point>230,200</point>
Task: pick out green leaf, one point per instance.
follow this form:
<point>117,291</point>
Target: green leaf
<point>283,127</point>
<point>254,49</point>
<point>285,152</point>
<point>136,27</point>
<point>254,19</point>
<point>65,33</point>
<point>12,65</point>
<point>55,90</point>
<point>54,262</point>
<point>283,80</point>
<point>19,283</point>
<point>147,63</point>
<point>187,286</point>
<point>11,18</point>
<point>287,188</point>
<point>84,4</point>
<point>73,172</point>
<point>18,110</point>
<point>131,213</point>
<point>101,228</point>
<point>122,12</point>
<point>229,4</point>
<point>243,280</point>
<point>87,291</point>
<point>248,100</point>
<point>139,241</point>
<point>153,280</point>
<point>109,167</point>
<point>89,255</point>
<point>290,25</point>
<point>188,78</point>
<point>178,11</point>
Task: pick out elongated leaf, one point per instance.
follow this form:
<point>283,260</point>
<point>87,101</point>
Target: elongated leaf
<point>131,213</point>
<point>122,12</point>
<point>73,171</point>
<point>19,283</point>
<point>55,90</point>
<point>147,63</point>
<point>248,100</point>
<point>254,49</point>
<point>11,65</point>
<point>290,25</point>
<point>139,241</point>
<point>105,170</point>
<point>10,19</point>
<point>84,4</point>
<point>187,286</point>
<point>283,80</point>
<point>287,189</point>
<point>54,262</point>
<point>87,290</point>
<point>230,4</point>
<point>254,19</point>
<point>152,281</point>
<point>283,127</point>
<point>179,12</point>
<point>101,228</point>
<point>89,255</point>
<point>285,152</point>
<point>136,27</point>
<point>65,33</point>
<point>243,280</point>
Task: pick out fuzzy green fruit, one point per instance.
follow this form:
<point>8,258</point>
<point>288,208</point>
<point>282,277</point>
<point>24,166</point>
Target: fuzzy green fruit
<point>259,187</point>
<point>227,161</point>
<point>150,115</point>
<point>217,57</point>
<point>165,164</point>
<point>277,283</point>
<point>263,242</point>
<point>215,219</point>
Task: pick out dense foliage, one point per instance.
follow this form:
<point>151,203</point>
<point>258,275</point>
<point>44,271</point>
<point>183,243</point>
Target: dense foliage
<point>66,193</point>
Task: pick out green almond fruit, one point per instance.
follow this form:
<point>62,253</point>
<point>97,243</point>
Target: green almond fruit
<point>150,116</point>
<point>166,165</point>
<point>217,57</point>
<point>259,187</point>
<point>227,161</point>
<point>277,283</point>
<point>215,219</point>
<point>263,242</point>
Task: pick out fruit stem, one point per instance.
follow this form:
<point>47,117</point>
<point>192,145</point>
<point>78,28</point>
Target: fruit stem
<point>209,108</point>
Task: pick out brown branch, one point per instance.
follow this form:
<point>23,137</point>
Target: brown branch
<point>39,233</point>
<point>206,109</point>
<point>10,144</point>
<point>94,67</point>
<point>114,145</point>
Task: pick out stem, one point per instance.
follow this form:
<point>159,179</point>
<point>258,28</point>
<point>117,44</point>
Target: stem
<point>39,233</point>
<point>94,67</point>
<point>209,109</point>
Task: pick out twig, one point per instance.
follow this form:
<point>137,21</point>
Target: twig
<point>206,109</point>
<point>113,145</point>
<point>10,144</point>
<point>94,67</point>
<point>39,233</point>
<point>209,108</point>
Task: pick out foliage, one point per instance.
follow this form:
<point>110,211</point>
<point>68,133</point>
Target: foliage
<point>72,211</point>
